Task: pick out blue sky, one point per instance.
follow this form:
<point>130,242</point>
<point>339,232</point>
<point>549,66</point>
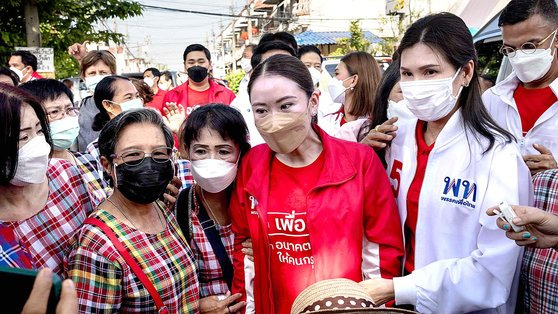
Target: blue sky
<point>170,32</point>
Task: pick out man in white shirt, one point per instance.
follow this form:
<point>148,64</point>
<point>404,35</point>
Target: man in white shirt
<point>526,102</point>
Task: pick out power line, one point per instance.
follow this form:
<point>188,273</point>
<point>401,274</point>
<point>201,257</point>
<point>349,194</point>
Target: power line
<point>215,14</point>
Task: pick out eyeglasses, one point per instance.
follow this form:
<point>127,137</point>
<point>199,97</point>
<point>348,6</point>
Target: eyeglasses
<point>527,47</point>
<point>136,157</point>
<point>57,113</point>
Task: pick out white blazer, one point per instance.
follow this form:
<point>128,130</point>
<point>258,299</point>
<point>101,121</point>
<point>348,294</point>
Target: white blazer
<point>501,105</point>
<point>463,262</point>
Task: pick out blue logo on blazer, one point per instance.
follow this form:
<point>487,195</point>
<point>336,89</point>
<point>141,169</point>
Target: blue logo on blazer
<point>461,192</point>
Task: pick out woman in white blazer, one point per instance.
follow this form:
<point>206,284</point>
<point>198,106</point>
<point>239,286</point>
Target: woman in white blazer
<point>446,169</point>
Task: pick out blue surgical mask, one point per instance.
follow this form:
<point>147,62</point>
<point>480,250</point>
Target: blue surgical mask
<point>135,103</point>
<point>64,132</point>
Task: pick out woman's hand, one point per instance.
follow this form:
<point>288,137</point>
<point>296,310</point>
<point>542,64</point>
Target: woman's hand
<point>247,249</point>
<point>213,305</point>
<point>171,193</point>
<point>379,137</point>
<point>380,290</point>
<point>541,227</point>
<point>38,299</point>
<point>174,118</point>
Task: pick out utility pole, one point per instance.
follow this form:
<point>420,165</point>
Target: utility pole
<point>233,48</point>
<point>249,9</point>
<point>222,29</point>
<point>31,14</point>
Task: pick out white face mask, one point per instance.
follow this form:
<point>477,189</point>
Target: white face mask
<point>32,162</point>
<point>430,100</point>
<point>64,132</point>
<point>92,81</point>
<point>337,90</point>
<point>18,72</point>
<point>315,75</point>
<point>164,85</point>
<point>149,81</point>
<point>214,175</point>
<point>246,65</point>
<point>135,103</point>
<point>533,65</point>
<point>399,109</point>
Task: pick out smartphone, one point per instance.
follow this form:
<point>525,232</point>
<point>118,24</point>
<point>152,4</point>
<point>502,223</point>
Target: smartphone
<point>16,285</point>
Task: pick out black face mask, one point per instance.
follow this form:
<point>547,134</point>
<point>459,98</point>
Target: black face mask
<point>144,183</point>
<point>197,73</point>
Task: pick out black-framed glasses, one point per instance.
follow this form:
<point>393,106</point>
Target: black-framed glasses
<point>527,47</point>
<point>58,113</point>
<point>136,157</point>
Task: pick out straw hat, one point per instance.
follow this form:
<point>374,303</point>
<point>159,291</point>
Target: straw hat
<point>337,296</point>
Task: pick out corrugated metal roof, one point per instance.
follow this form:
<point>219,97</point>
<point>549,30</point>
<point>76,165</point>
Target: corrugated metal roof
<point>330,38</point>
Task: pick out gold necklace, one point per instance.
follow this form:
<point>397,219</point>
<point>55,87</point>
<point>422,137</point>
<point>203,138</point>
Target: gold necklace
<point>208,207</point>
<point>130,220</point>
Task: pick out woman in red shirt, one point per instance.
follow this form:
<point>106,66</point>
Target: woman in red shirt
<point>314,206</point>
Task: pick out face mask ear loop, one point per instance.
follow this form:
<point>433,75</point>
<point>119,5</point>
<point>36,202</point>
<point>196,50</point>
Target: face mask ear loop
<point>114,173</point>
<point>552,44</point>
<point>453,80</point>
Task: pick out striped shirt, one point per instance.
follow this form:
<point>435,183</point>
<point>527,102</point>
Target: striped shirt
<point>105,282</point>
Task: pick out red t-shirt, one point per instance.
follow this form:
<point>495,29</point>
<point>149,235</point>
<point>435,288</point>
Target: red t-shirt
<point>196,99</point>
<point>157,102</point>
<point>532,103</point>
<point>292,263</point>
<point>413,194</point>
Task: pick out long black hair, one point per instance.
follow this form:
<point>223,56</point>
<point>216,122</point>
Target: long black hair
<point>448,35</point>
<point>379,113</point>
<point>105,90</point>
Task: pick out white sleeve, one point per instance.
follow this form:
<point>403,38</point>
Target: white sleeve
<point>370,259</point>
<point>484,279</point>
<point>249,274</point>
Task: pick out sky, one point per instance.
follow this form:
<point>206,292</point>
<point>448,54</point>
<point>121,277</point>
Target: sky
<point>170,32</point>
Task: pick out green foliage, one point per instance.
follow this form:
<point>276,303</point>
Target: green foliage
<point>62,23</point>
<point>356,42</point>
<point>490,59</point>
<point>234,78</point>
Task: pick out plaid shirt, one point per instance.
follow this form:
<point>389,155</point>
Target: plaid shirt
<point>184,172</point>
<point>93,151</point>
<point>539,271</point>
<point>46,235</point>
<point>98,187</point>
<point>210,274</point>
<point>105,283</point>
<point>12,254</point>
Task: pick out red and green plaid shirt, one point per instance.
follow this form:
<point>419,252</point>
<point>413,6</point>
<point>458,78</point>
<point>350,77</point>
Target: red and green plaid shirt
<point>105,283</point>
<point>45,236</point>
<point>539,271</point>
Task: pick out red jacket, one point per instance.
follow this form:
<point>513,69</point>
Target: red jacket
<point>351,202</point>
<point>217,94</point>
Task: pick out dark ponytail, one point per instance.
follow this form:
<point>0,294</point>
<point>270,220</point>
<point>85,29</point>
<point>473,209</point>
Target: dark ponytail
<point>105,90</point>
<point>285,66</point>
<point>447,34</point>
